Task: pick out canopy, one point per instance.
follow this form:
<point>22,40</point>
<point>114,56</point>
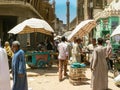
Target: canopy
<point>112,10</point>
<point>82,29</point>
<point>116,31</point>
<point>32,25</point>
<point>57,37</point>
<point>66,34</point>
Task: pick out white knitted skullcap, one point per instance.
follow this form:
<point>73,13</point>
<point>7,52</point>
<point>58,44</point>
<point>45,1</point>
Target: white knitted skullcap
<point>16,43</point>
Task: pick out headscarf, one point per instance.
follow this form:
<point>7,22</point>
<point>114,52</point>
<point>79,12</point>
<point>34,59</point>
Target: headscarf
<point>8,49</point>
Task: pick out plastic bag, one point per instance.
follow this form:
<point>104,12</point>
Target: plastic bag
<point>117,80</point>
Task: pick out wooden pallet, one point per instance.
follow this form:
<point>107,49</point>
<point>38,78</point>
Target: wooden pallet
<point>75,82</point>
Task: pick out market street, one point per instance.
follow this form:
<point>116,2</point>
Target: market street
<point>47,79</point>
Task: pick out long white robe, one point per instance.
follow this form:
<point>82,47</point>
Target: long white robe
<point>4,71</point>
<point>99,80</point>
<point>76,53</point>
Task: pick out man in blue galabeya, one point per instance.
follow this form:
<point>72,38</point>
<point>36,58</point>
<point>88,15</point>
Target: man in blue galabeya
<point>18,68</point>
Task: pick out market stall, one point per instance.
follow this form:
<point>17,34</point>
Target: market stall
<point>116,55</point>
<point>34,58</point>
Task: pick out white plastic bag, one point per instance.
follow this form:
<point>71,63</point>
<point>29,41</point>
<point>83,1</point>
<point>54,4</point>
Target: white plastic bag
<point>117,80</point>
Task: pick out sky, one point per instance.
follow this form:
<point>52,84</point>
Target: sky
<point>61,9</point>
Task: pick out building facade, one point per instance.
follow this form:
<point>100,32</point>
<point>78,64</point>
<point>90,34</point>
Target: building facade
<point>13,12</point>
<point>87,9</point>
<point>107,21</point>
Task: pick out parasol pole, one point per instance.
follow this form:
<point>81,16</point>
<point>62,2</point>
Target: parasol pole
<point>35,37</point>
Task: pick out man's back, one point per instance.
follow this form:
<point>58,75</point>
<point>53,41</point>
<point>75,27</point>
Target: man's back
<point>101,56</point>
<point>62,48</point>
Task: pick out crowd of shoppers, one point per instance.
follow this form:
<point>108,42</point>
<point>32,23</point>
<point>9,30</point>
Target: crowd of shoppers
<point>98,61</point>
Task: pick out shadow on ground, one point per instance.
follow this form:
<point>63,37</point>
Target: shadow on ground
<point>42,71</point>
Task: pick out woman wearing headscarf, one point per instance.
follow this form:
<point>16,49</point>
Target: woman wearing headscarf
<point>9,52</point>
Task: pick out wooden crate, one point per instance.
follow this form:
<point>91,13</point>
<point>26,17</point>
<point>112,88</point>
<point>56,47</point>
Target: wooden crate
<point>79,81</point>
<point>76,73</point>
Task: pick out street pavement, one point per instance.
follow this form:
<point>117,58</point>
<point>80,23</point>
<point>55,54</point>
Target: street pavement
<point>47,79</point>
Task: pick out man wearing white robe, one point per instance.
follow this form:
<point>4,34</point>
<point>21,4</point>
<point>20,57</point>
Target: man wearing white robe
<point>4,71</point>
<point>99,80</point>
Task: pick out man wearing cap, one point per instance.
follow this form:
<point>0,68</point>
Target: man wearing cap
<point>19,68</point>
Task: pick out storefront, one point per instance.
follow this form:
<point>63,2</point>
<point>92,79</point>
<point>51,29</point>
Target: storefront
<point>107,21</point>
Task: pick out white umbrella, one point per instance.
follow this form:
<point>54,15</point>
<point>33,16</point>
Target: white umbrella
<point>116,31</point>
<point>57,37</point>
<point>66,34</point>
<point>32,25</point>
<point>82,29</point>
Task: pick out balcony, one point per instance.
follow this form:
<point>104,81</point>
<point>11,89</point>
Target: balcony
<point>12,1</point>
<point>18,8</point>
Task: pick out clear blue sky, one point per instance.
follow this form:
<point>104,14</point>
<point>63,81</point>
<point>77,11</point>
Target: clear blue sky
<point>61,9</point>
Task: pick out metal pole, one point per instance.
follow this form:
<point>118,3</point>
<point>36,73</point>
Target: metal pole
<point>68,14</point>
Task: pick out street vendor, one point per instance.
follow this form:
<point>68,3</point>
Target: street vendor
<point>91,47</point>
<point>76,52</point>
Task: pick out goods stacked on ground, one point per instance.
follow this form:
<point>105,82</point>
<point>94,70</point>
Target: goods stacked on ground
<point>77,73</point>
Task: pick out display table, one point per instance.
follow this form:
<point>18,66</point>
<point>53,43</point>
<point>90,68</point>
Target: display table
<point>36,59</point>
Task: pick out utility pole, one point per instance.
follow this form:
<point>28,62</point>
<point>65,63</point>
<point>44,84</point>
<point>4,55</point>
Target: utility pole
<point>68,14</point>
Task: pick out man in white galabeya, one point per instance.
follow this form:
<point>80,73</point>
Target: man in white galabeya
<point>4,70</point>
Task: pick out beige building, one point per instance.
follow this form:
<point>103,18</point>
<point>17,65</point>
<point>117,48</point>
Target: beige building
<point>87,9</point>
<point>13,12</point>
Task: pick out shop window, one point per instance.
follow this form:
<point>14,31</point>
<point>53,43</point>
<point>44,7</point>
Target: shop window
<point>114,24</point>
<point>98,4</point>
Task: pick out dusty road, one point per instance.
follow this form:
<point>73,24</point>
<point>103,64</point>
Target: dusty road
<point>47,79</point>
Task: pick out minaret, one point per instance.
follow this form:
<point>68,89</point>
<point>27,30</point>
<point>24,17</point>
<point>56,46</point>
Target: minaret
<point>68,14</point>
<point>53,4</point>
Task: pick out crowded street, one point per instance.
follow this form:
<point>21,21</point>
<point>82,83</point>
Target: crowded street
<point>59,44</point>
<point>47,79</point>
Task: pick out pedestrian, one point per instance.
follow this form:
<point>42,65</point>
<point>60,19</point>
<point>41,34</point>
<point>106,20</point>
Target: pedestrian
<point>82,54</point>
<point>9,53</point>
<point>93,45</point>
<point>4,70</point>
<point>99,79</point>
<point>63,55</point>
<point>109,54</point>
<point>19,68</point>
<point>91,48</point>
<point>69,48</point>
<point>76,57</point>
<point>49,45</point>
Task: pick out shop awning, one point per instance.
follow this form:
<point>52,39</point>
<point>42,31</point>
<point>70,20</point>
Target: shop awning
<point>32,25</point>
<point>116,31</point>
<point>82,29</point>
